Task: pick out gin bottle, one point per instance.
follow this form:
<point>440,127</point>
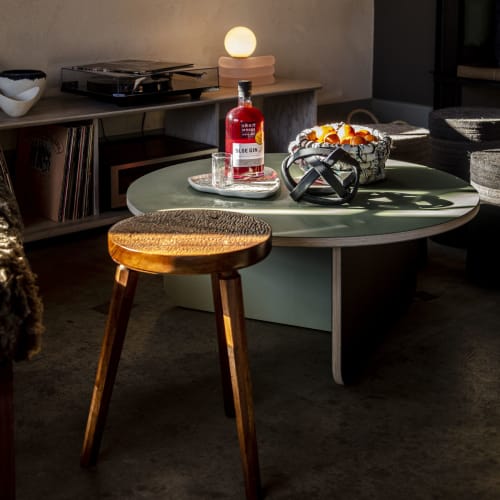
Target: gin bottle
<point>245,135</point>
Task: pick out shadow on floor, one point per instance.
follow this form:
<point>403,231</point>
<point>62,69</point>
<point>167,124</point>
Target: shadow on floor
<point>421,422</point>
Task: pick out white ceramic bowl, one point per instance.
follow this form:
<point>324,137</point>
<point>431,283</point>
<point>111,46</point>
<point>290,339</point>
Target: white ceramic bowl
<point>21,103</point>
<point>15,81</point>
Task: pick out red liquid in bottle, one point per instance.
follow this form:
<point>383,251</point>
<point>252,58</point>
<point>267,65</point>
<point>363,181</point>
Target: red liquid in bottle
<point>245,135</point>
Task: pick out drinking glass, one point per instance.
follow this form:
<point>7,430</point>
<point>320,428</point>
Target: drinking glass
<point>222,169</point>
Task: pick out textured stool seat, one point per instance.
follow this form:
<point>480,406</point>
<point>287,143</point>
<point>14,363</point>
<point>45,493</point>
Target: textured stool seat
<point>186,242</point>
<point>485,174</point>
<point>189,241</point>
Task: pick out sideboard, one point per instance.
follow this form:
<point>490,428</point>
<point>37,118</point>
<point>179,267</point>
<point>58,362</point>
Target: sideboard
<point>288,106</point>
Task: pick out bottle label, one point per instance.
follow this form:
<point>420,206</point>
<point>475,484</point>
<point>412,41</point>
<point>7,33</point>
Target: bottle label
<point>247,154</point>
<point>248,130</point>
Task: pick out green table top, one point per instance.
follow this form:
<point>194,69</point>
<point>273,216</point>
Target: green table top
<point>413,202</point>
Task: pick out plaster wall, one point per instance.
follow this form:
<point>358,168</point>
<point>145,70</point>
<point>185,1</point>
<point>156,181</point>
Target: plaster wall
<point>330,41</point>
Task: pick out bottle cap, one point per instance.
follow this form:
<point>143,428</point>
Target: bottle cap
<point>245,86</point>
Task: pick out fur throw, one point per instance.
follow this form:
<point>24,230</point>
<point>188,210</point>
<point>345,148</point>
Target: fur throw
<point>21,309</point>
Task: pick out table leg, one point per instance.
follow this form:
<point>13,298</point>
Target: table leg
<point>337,315</point>
<point>371,287</point>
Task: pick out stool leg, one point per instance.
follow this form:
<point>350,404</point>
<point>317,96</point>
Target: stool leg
<point>227,391</point>
<point>114,335</point>
<point>7,451</point>
<point>236,345</point>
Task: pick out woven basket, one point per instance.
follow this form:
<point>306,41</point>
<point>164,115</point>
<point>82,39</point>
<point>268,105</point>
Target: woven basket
<point>371,156</point>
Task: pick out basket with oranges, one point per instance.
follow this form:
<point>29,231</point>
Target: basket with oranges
<point>366,145</point>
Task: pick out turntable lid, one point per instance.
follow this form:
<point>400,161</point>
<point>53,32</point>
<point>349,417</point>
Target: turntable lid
<point>133,67</point>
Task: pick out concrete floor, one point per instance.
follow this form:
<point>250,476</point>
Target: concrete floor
<point>422,422</point>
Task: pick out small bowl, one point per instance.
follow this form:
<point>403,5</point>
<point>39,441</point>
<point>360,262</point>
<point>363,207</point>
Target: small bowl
<point>15,81</point>
<point>20,104</point>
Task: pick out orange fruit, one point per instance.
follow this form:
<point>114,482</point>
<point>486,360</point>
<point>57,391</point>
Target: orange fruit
<point>321,131</point>
<point>345,130</point>
<point>311,136</point>
<point>331,138</point>
<point>362,132</point>
<point>318,131</point>
<point>370,138</point>
<point>354,140</point>
<point>326,129</point>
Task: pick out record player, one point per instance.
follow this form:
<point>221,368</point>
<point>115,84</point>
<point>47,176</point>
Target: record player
<point>131,82</point>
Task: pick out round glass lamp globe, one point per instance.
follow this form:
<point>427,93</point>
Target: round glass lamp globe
<point>240,42</point>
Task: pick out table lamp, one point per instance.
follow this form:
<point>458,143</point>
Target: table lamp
<point>240,43</point>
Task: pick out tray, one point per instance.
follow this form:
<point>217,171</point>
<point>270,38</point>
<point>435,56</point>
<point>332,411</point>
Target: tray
<point>263,188</point>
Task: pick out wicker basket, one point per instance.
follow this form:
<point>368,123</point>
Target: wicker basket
<point>370,156</point>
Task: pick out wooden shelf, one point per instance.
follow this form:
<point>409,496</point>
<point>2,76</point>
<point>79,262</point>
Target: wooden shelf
<point>150,148</point>
<point>126,158</point>
<point>479,73</point>
<point>68,107</point>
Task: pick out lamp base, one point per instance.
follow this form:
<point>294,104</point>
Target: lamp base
<point>258,69</point>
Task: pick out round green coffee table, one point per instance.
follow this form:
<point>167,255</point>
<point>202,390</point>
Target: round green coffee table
<point>371,244</point>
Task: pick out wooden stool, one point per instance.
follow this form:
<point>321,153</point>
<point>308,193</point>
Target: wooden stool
<point>186,242</point>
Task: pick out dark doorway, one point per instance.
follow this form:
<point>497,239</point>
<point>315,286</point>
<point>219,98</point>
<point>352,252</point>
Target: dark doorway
<point>467,48</point>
